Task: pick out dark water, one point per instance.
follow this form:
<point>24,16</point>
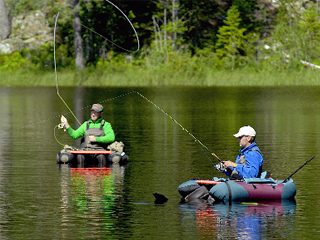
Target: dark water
<point>40,200</point>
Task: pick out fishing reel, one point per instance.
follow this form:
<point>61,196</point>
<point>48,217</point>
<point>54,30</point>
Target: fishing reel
<point>220,167</point>
<point>61,126</point>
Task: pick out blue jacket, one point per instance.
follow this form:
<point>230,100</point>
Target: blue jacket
<point>254,161</point>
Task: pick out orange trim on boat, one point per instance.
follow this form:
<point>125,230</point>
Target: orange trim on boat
<point>211,182</point>
<point>90,151</point>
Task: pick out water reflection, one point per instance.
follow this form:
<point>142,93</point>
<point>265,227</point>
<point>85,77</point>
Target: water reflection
<point>39,202</point>
<point>241,220</point>
<point>89,198</point>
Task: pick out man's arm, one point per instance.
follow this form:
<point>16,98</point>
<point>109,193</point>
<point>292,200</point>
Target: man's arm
<point>75,134</point>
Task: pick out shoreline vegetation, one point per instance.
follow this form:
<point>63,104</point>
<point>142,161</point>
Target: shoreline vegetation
<point>261,43</point>
<point>141,77</point>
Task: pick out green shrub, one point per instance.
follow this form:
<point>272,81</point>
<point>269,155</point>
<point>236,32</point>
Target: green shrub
<point>12,61</point>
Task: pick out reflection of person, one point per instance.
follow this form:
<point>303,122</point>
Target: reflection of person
<point>96,131</point>
<point>249,162</point>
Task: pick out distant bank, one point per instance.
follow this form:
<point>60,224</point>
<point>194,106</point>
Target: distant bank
<point>162,77</point>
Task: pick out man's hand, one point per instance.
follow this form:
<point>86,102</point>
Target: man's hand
<point>64,121</point>
<point>229,164</point>
<point>92,138</point>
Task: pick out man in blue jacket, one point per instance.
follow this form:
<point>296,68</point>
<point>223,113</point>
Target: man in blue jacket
<point>250,160</point>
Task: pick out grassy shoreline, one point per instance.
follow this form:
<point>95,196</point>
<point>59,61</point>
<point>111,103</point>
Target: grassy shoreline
<point>138,77</point>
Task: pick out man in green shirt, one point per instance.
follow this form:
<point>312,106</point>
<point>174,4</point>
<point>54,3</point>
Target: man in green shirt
<point>97,133</point>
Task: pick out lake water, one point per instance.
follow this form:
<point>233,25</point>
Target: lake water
<point>42,200</point>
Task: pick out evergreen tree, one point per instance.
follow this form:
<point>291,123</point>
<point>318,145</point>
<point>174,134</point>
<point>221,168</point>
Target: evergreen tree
<point>310,25</point>
<point>203,21</point>
<point>230,46</point>
<point>309,28</point>
<point>296,36</point>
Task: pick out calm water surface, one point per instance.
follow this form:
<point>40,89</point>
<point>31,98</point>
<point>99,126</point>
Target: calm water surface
<point>42,200</point>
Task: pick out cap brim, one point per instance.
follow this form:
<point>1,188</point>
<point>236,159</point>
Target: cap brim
<point>96,110</point>
<point>237,135</point>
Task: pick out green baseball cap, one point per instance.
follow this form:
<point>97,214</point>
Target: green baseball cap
<point>97,107</point>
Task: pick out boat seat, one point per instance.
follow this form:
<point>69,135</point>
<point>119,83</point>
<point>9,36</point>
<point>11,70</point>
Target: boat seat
<point>260,180</point>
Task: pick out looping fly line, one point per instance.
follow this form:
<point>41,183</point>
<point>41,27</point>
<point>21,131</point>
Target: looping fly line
<point>54,50</point>
<point>135,32</point>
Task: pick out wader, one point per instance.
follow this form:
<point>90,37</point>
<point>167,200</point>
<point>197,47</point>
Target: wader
<point>85,143</point>
<point>97,132</point>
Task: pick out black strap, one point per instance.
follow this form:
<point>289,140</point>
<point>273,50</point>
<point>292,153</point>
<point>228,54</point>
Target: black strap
<point>229,190</point>
<point>102,123</point>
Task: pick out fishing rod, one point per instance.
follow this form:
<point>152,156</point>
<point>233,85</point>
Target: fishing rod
<point>184,129</point>
<point>287,179</point>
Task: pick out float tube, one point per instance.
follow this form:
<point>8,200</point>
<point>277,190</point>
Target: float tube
<point>69,154</point>
<point>248,190</point>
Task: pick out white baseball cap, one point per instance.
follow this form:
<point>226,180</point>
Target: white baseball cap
<point>245,131</point>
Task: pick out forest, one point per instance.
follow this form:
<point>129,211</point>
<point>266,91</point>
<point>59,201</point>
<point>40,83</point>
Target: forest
<point>171,41</point>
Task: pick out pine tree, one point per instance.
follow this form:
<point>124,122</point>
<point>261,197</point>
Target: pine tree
<point>309,28</point>
<point>230,46</point>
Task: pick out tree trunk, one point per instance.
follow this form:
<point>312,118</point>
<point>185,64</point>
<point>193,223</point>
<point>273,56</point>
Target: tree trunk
<point>165,30</point>
<point>155,32</point>
<point>5,25</point>
<point>175,18</point>
<point>79,58</point>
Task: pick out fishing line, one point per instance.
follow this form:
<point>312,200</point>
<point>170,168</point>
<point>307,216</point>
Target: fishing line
<point>54,50</point>
<point>55,62</point>
<point>55,69</point>
<point>123,95</point>
<point>184,129</point>
<point>55,137</point>
<point>65,114</point>
<point>117,97</point>
<point>89,106</point>
<point>135,32</point>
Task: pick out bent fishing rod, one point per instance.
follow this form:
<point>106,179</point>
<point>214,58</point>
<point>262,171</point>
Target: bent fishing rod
<point>184,129</point>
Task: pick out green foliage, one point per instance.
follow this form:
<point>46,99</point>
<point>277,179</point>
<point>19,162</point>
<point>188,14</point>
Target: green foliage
<point>230,46</point>
<point>107,29</point>
<point>246,10</point>
<point>310,24</point>
<point>296,37</point>
<point>309,28</point>
<point>12,61</point>
<point>202,20</point>
<point>194,72</point>
<point>21,6</point>
<point>40,58</point>
<point>36,59</point>
<point>114,62</point>
<point>209,34</point>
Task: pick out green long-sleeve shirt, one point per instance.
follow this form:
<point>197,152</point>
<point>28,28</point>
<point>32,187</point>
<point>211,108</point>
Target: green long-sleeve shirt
<point>107,128</point>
